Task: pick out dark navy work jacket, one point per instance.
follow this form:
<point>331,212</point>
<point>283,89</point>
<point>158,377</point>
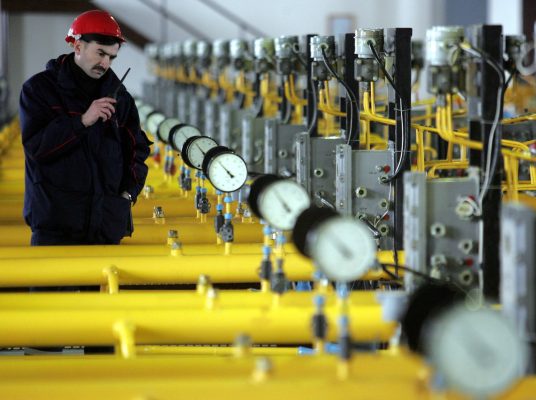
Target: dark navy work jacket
<point>75,175</point>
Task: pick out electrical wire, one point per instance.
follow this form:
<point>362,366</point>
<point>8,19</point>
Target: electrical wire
<point>353,100</point>
<point>315,106</point>
<point>492,153</point>
<point>404,134</point>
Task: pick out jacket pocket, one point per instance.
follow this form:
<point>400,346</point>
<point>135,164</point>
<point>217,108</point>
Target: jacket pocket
<point>53,208</point>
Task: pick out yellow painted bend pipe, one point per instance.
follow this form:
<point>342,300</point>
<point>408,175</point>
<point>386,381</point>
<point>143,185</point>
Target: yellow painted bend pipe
<point>289,325</point>
<point>194,233</point>
<point>143,269</point>
<point>128,300</point>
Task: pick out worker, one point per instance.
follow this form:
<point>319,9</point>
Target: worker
<point>83,144</point>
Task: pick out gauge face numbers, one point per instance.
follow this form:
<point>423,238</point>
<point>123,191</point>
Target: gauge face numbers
<point>182,134</point>
<point>281,202</point>
<point>195,148</point>
<point>227,171</point>
<point>477,352</point>
<point>342,248</point>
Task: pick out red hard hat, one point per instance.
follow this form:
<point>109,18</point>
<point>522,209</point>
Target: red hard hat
<point>95,21</point>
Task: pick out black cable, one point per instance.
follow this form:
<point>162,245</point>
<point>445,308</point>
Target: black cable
<point>353,100</point>
<point>500,100</point>
<point>402,106</point>
<point>382,66</point>
<point>315,105</point>
<point>507,83</point>
<point>415,272</point>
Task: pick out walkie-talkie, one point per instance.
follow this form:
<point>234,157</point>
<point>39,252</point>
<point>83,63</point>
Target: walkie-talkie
<point>113,95</point>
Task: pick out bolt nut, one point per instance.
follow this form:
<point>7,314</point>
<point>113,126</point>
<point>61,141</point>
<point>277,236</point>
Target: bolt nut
<point>282,153</point>
<point>384,204</point>
<point>466,246</point>
<point>438,230</point>
<point>383,229</point>
<point>466,277</point>
<point>438,260</point>
<point>318,172</point>
<point>361,192</point>
<point>173,234</point>
<point>158,212</point>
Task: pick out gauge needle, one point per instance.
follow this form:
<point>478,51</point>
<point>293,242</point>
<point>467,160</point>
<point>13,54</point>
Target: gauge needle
<point>345,252</point>
<point>200,149</point>
<point>226,170</point>
<point>283,202</point>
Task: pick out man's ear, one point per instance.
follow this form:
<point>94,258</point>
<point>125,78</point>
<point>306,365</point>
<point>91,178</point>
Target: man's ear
<point>77,45</point>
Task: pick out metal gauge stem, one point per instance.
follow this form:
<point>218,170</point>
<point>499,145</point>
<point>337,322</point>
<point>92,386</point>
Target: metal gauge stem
<point>226,170</point>
<point>195,148</point>
<point>180,133</point>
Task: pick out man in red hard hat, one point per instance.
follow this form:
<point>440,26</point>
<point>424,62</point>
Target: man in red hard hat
<point>84,148</point>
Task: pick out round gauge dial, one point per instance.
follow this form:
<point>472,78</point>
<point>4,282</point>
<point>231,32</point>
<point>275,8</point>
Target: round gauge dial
<point>305,223</point>
<point>180,133</point>
<point>153,121</point>
<point>165,128</point>
<point>281,202</point>
<point>195,148</point>
<point>343,248</point>
<point>477,352</point>
<point>256,189</point>
<point>226,170</point>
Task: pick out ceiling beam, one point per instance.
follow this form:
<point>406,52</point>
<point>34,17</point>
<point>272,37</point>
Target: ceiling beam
<point>133,36</point>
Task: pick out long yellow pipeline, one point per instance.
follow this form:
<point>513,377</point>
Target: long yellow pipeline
<point>187,377</point>
<point>68,271</point>
<point>215,350</point>
<point>142,269</point>
<point>282,325</point>
<point>181,299</point>
<point>135,250</point>
<point>194,233</point>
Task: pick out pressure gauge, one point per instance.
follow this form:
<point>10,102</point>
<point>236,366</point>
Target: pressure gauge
<point>226,170</point>
<point>180,133</point>
<point>153,121</point>
<point>164,129</point>
<point>195,148</point>
<point>341,247</point>
<point>477,352</point>
<point>280,201</point>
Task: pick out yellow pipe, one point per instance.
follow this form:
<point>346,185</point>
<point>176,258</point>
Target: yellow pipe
<point>135,250</point>
<point>194,233</point>
<point>288,325</point>
<point>142,269</point>
<point>173,300</point>
<point>163,269</point>
<point>214,350</point>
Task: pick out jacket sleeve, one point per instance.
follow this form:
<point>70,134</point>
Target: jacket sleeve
<point>138,146</point>
<point>46,135</point>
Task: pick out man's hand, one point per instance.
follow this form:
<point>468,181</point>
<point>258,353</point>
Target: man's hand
<point>101,108</point>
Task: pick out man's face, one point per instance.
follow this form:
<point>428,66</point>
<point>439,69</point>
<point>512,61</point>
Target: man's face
<point>94,58</point>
